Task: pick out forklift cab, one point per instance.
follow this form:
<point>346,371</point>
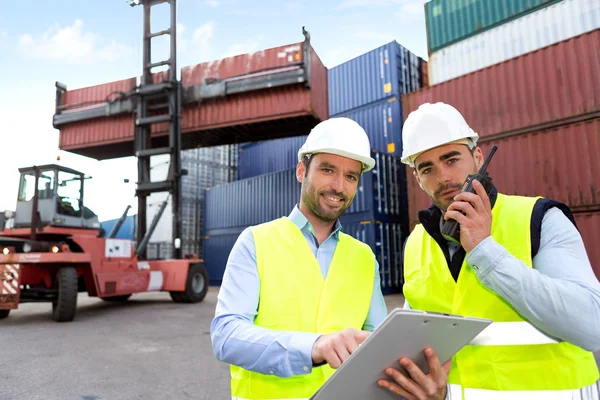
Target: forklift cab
<point>55,194</point>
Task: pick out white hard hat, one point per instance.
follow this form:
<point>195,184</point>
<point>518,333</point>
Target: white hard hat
<point>341,136</point>
<point>432,125</point>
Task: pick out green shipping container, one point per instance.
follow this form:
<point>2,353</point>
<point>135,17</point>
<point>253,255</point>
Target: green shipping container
<point>450,21</point>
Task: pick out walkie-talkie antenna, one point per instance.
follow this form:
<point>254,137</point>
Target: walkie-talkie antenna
<point>488,159</point>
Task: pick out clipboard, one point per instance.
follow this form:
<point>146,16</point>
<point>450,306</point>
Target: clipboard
<point>404,332</point>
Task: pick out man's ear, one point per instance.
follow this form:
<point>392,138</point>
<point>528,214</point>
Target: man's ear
<point>478,154</point>
<point>300,171</point>
<point>418,179</point>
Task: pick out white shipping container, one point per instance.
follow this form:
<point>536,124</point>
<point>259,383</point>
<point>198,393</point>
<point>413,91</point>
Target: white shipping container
<point>547,26</point>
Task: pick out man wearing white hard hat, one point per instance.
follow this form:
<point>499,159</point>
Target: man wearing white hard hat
<point>298,295</point>
<point>521,262</point>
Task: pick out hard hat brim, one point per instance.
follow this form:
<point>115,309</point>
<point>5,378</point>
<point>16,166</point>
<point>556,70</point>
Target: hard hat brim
<point>368,162</point>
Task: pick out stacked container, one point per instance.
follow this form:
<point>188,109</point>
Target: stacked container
<point>542,110</point>
<point>366,89</point>
<point>376,216</point>
<point>205,167</point>
<point>464,37</point>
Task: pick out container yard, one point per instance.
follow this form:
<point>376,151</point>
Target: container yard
<point>115,256</point>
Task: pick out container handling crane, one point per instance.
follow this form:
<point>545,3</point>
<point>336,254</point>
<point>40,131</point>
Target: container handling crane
<point>52,246</point>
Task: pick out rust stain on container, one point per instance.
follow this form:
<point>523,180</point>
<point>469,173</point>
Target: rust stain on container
<point>560,164</point>
<point>96,94</point>
<point>547,85</point>
<point>257,115</point>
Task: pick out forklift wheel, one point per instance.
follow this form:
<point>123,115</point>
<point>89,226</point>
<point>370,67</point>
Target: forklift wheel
<point>117,299</point>
<point>4,313</point>
<point>196,286</point>
<point>63,308</point>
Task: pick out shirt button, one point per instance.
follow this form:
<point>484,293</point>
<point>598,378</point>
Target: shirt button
<point>306,368</point>
<point>475,266</point>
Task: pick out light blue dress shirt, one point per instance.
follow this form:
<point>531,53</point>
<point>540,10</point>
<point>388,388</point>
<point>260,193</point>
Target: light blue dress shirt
<point>235,338</point>
<point>560,295</point>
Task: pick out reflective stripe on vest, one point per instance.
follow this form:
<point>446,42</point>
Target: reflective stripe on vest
<point>510,334</point>
<point>293,296</point>
<point>591,392</point>
<point>242,398</point>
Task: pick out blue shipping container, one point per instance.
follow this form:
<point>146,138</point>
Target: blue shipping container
<point>127,230</point>
<point>381,193</point>
<point>386,240</point>
<point>268,156</point>
<point>378,74</point>
<point>381,120</point>
<point>383,123</point>
<point>216,252</point>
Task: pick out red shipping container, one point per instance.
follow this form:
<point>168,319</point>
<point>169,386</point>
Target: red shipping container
<point>589,227</point>
<point>282,111</point>
<point>555,163</point>
<point>98,94</point>
<point>548,85</point>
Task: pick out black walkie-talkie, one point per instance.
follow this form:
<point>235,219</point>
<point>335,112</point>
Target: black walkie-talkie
<point>451,228</point>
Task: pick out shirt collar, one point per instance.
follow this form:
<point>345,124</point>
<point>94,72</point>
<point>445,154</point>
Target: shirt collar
<point>302,223</point>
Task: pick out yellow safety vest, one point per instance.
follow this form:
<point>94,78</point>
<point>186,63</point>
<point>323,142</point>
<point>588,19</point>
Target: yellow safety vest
<point>295,297</point>
<point>511,355</point>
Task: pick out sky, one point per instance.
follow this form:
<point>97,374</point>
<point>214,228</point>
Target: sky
<point>84,43</point>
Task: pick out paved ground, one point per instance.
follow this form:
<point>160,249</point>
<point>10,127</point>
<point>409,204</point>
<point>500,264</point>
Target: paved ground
<point>149,348</point>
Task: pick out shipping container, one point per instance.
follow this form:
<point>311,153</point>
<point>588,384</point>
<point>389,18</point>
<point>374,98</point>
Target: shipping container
<point>559,163</point>
<point>383,123</point>
<point>450,21</point>
<point>544,27</point>
<point>381,120</point>
<point>376,75</point>
<point>290,99</point>
<point>381,192</point>
<point>265,157</point>
<point>127,229</point>
<point>551,86</point>
<point>216,248</point>
<point>386,240</point>
<point>589,227</point>
<point>205,167</point>
<point>95,95</point>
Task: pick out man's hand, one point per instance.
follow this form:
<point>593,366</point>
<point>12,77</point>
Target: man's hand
<point>419,386</point>
<point>336,347</point>
<point>474,214</point>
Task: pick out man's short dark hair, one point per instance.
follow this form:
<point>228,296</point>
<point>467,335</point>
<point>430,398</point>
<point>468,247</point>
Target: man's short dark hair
<point>306,160</point>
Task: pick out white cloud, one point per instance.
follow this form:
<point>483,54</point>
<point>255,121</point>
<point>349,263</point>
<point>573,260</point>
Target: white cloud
<point>182,41</point>
<point>213,3</point>
<point>201,41</point>
<point>412,8</point>
<point>251,45</point>
<point>72,45</point>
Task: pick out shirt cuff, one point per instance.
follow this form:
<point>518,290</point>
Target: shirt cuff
<point>300,357</point>
<point>485,257</point>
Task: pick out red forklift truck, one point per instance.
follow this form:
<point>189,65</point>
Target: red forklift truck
<point>52,248</point>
